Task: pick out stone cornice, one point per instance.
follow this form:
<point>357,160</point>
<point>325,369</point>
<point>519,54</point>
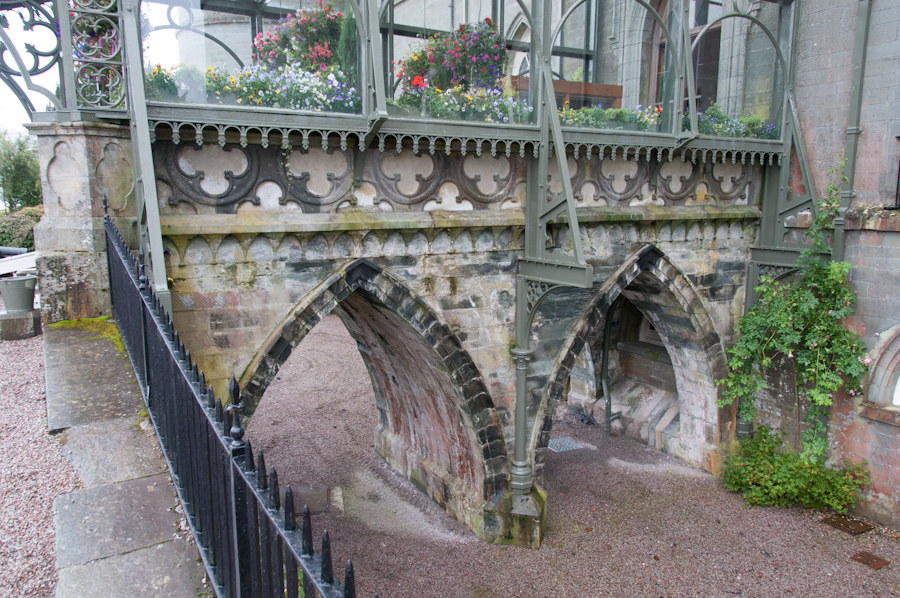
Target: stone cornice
<point>357,220</point>
<point>874,218</point>
<point>83,128</point>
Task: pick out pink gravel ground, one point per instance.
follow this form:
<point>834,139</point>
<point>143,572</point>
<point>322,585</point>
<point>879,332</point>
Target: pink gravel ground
<point>32,473</point>
<point>624,519</point>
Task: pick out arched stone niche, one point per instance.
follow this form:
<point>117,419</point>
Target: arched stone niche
<point>882,398</point>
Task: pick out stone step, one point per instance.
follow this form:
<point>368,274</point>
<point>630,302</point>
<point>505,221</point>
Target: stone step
<point>662,425</point>
<point>646,412</point>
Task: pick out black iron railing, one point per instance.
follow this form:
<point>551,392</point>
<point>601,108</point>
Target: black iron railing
<point>247,538</point>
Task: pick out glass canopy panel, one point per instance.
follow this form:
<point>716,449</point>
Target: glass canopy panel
<point>283,54</point>
<point>452,61</point>
<point>611,66</point>
<point>737,74</point>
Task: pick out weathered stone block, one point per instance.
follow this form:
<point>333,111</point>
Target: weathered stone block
<point>73,286</point>
<point>20,325</point>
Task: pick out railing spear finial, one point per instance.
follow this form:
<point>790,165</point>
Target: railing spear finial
<point>248,460</point>
<point>349,581</point>
<point>306,546</point>
<point>290,524</point>
<point>327,572</point>
<point>274,494</point>
<point>261,481</point>
<point>226,421</point>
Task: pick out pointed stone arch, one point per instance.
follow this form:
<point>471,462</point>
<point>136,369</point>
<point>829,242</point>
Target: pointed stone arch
<point>658,289</point>
<point>437,424</point>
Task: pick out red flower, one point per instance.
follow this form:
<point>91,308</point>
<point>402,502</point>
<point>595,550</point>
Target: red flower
<point>418,81</point>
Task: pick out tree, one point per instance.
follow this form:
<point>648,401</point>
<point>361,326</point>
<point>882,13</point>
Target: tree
<point>20,174</point>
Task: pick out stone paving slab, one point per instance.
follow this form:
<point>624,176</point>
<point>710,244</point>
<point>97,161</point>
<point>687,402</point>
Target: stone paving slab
<point>113,519</point>
<point>71,344</point>
<point>114,450</point>
<point>170,569</point>
<point>88,379</point>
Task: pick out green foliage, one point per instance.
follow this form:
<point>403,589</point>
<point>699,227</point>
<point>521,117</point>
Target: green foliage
<point>346,50</point>
<point>636,119</point>
<point>483,104</point>
<point>801,320</point>
<point>17,228</point>
<point>474,55</point>
<point>304,39</point>
<point>713,121</point>
<point>159,84</point>
<point>769,476</point>
<point>20,174</point>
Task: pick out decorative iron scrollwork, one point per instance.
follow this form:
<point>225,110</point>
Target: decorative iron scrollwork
<point>535,292</point>
<point>776,272</point>
<point>97,43</point>
<point>14,65</point>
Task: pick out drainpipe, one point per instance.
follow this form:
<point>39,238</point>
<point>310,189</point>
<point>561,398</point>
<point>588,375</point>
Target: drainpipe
<point>864,14</point>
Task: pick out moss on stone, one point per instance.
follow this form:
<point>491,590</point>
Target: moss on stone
<point>102,327</point>
<point>518,529</point>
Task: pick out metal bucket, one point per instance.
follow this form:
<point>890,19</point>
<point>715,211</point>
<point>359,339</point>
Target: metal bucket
<point>18,292</point>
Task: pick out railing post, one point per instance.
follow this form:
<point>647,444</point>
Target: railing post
<point>240,525</point>
<point>145,294</point>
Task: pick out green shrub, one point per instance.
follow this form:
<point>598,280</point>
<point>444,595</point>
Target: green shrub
<point>766,475</point>
<point>20,174</point>
<point>17,228</point>
<point>801,320</point>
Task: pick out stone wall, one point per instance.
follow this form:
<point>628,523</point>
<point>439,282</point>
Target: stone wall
<point>80,164</point>
<point>236,293</point>
<point>861,427</point>
<point>261,242</point>
<point>868,427</point>
<point>824,79</point>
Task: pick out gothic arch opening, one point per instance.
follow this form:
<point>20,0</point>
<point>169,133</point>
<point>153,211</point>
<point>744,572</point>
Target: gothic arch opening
<point>659,323</point>
<point>436,424</point>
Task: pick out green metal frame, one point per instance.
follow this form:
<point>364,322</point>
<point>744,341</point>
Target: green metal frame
<point>147,201</point>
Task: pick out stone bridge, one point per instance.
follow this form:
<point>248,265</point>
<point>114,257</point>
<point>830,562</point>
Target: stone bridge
<point>418,257</point>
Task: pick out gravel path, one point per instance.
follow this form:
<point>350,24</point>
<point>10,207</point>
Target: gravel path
<point>624,520</point>
<point>32,473</point>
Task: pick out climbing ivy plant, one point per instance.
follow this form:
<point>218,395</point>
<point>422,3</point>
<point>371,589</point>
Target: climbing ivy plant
<point>801,320</point>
